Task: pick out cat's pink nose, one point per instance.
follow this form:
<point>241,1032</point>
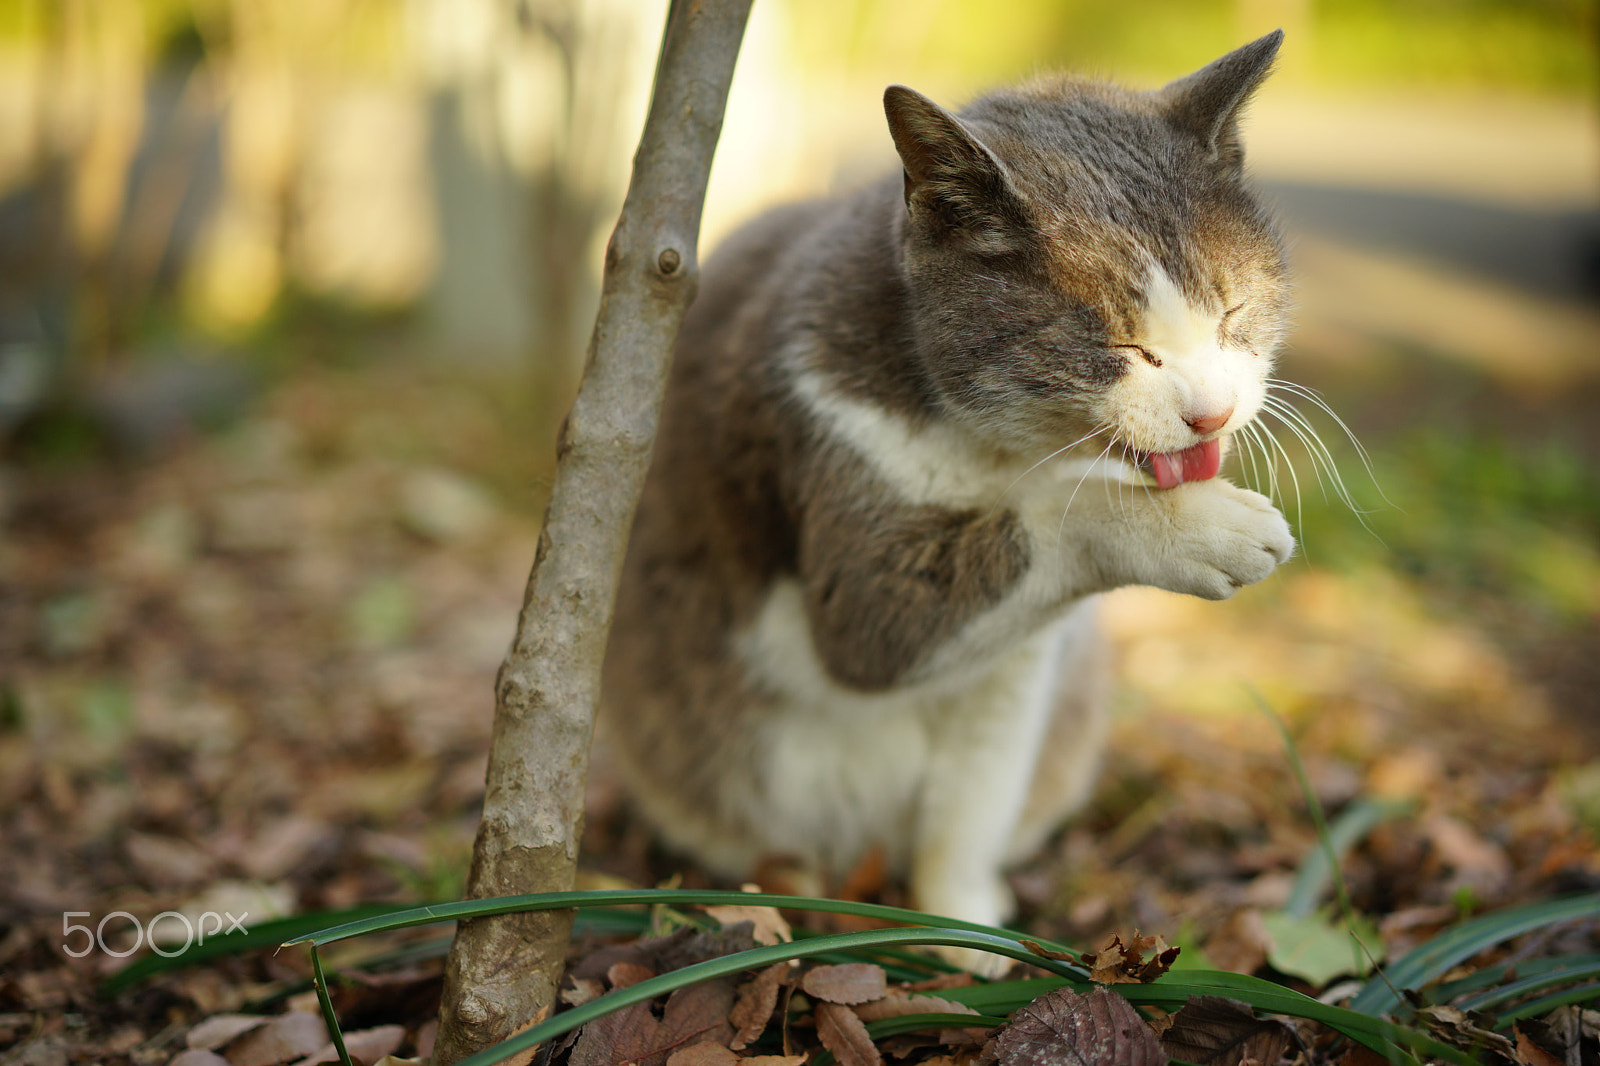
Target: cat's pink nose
<point>1204,424</point>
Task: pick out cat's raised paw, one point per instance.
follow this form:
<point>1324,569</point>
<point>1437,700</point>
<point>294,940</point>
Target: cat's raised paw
<point>1220,539</point>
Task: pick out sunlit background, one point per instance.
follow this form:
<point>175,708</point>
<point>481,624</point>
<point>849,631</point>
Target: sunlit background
<point>293,292</point>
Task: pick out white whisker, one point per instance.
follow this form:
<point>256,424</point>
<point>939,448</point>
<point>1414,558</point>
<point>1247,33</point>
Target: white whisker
<point>1061,529</point>
<point>1064,448</point>
<point>1318,451</point>
<point>1294,478</point>
<point>1247,454</point>
<point>1315,397</point>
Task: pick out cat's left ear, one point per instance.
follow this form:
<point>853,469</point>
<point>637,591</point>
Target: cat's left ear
<point>1209,101</point>
<point>953,183</point>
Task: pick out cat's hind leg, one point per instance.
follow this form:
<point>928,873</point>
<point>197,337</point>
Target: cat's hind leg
<point>1074,743</point>
<point>982,758</point>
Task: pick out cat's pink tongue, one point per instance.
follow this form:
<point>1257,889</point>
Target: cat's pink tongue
<point>1199,463</point>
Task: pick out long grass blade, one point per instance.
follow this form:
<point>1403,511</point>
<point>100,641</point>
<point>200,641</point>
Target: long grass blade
<point>1317,870</point>
<point>1545,1004</point>
<point>1324,837</point>
<point>1515,990</point>
<point>320,979</point>
<point>269,934</point>
<point>1466,992</point>
<point>1428,962</point>
<point>448,912</point>
<point>755,959</point>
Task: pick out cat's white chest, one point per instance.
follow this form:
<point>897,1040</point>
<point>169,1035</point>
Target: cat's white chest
<point>841,770</point>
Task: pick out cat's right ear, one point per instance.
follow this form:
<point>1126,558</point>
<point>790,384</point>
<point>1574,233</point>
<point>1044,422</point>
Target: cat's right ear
<point>1209,101</point>
<point>952,180</point>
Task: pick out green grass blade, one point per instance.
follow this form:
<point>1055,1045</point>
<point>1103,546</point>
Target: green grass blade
<point>445,912</point>
<point>323,997</point>
<point>914,1023</point>
<point>266,935</point>
<point>1545,1004</point>
<point>1324,838</point>
<point>1003,997</point>
<point>754,959</point>
<point>1316,875</point>
<point>270,935</point>
<point>1173,990</point>
<point>1430,961</point>
<point>1573,970</point>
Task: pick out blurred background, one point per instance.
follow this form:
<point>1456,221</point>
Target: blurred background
<point>293,293</point>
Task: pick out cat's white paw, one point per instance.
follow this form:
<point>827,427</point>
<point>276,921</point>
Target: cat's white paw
<point>972,898</point>
<point>1215,539</point>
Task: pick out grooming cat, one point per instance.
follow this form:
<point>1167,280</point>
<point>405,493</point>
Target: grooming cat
<point>910,434</point>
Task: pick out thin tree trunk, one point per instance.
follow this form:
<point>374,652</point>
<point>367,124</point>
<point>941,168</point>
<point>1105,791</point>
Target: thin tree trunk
<point>502,971</point>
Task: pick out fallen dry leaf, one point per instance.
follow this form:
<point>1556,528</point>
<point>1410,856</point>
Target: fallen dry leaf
<point>198,1057</point>
<point>766,923</point>
<point>1363,1056</point>
<point>1118,962</point>
<point>698,1012</point>
<point>1063,1028</point>
<point>758,998</point>
<point>1468,1030</point>
<point>1530,1053</point>
<point>1215,1031</point>
<point>959,979</point>
<point>848,983</point>
<point>582,991</point>
<point>284,1039</point>
<point>705,1053</point>
<point>898,1005</point>
<point>221,1028</point>
<point>844,1034</point>
<point>626,1035</point>
<point>626,974</point>
<point>364,1045</point>
<point>1049,953</point>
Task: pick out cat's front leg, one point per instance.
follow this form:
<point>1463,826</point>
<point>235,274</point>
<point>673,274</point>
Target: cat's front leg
<point>1202,538</point>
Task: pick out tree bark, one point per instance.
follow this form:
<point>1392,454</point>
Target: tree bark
<point>502,971</point>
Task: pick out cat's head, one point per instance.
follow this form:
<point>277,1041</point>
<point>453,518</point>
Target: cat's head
<point>1084,258</point>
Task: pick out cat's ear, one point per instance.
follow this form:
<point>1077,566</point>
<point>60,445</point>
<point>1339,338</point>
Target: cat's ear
<point>1209,101</point>
<point>952,179</point>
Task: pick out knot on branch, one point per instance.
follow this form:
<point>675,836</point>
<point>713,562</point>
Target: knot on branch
<point>668,262</point>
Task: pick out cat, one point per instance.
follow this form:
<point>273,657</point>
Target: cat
<point>910,434</point>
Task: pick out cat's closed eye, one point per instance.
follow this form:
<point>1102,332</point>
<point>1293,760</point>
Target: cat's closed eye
<point>1149,356</point>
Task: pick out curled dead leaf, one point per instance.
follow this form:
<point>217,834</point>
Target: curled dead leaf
<point>1121,962</point>
<point>1469,1030</point>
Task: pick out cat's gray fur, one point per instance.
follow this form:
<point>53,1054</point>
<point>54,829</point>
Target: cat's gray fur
<point>855,612</point>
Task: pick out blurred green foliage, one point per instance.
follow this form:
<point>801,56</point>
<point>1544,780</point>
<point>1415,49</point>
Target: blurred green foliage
<point>1473,512</point>
<point>1540,45</point>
